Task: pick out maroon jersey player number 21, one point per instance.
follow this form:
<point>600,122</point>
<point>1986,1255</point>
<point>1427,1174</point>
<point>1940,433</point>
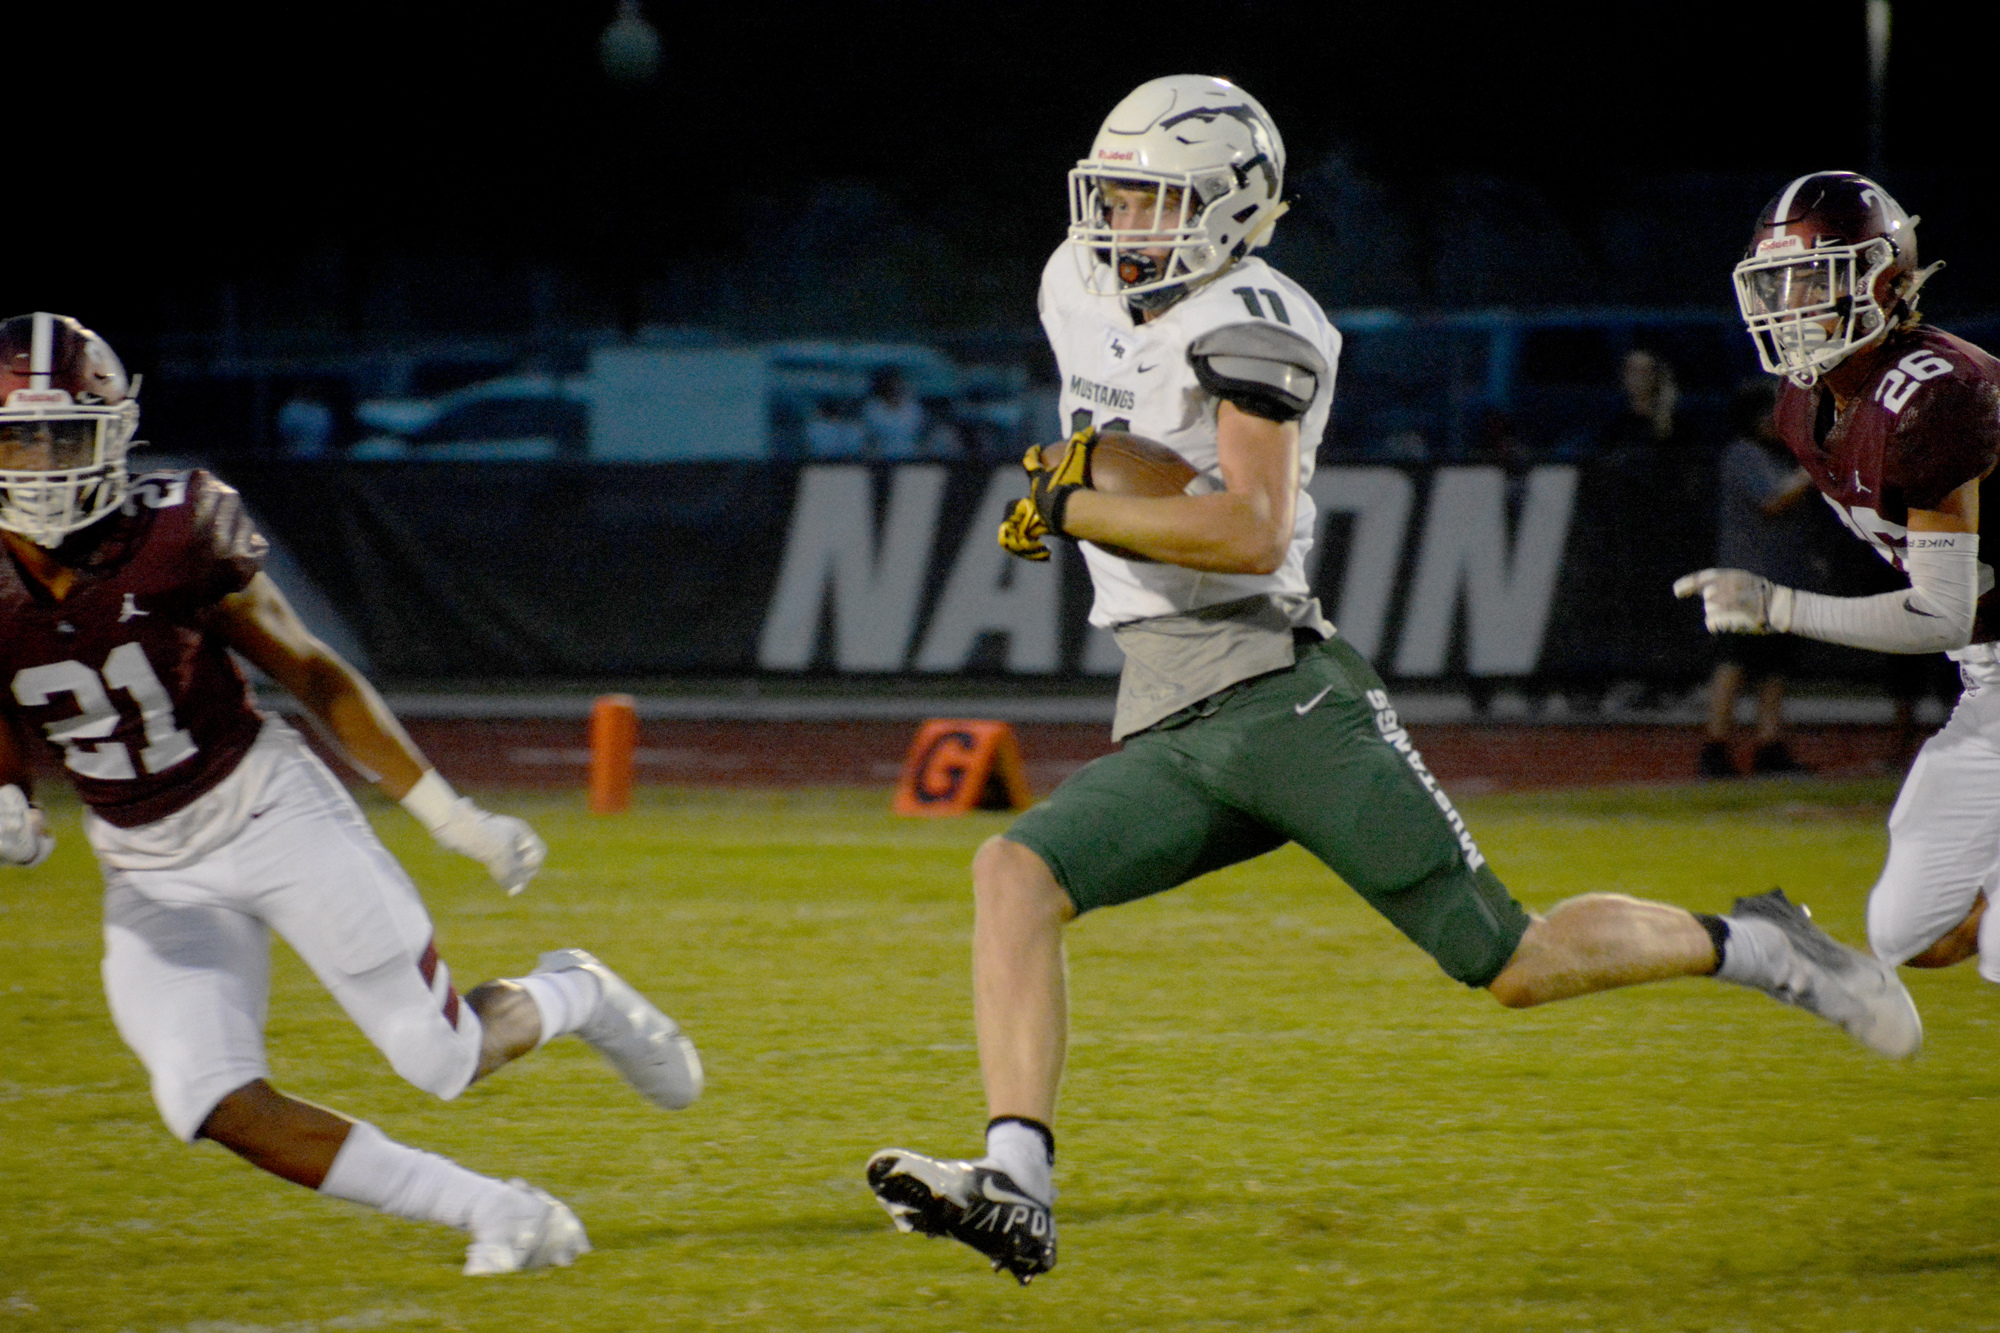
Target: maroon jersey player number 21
<point>120,601</point>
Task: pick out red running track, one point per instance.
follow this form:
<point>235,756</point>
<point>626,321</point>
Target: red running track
<point>1469,757</point>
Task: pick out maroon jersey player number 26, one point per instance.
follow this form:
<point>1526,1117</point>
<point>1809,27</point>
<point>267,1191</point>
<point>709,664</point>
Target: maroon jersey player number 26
<point>1898,424</point>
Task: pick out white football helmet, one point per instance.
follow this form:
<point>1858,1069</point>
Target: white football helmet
<point>1215,166</point>
<point>67,416</point>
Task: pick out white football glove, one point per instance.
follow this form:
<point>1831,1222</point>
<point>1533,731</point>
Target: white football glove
<point>23,840</point>
<point>1735,601</point>
<point>507,847</point>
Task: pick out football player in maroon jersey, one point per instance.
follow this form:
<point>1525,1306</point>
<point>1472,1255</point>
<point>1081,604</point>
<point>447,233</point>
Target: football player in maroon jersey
<point>120,600</point>
<point>1898,424</point>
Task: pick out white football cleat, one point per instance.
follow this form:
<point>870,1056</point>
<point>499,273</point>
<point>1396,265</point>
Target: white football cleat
<point>544,1233</point>
<point>1857,991</point>
<point>647,1048</point>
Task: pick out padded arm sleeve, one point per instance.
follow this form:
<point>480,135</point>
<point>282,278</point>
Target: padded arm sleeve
<point>1934,615</point>
<point>1263,370</point>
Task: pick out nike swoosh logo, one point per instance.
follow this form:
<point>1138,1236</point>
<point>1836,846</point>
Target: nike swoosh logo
<point>1909,606</point>
<point>995,1194</point>
<point>1143,369</point>
<point>1312,703</point>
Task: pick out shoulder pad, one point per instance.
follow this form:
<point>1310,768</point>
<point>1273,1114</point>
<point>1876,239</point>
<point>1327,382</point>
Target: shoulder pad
<point>1264,370</point>
<point>1946,433</point>
<point>226,549</point>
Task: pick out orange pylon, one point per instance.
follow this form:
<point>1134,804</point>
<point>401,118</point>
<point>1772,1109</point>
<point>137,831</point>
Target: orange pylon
<point>614,735</point>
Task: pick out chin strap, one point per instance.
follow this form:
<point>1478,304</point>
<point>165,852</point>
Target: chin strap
<point>1907,298</point>
<point>1262,236</point>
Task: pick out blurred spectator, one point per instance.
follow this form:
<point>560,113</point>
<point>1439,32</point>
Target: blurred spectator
<point>835,430</point>
<point>1650,421</point>
<point>893,418</point>
<point>1650,516</point>
<point>1500,444</point>
<point>1760,526</point>
<point>305,427</point>
<point>942,437</point>
<point>1912,678</point>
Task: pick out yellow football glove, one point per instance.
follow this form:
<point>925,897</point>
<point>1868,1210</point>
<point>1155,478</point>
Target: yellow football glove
<point>1049,490</point>
<point>1022,531</point>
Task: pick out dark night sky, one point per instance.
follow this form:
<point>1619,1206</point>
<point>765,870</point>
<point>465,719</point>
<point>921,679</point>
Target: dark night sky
<point>186,151</point>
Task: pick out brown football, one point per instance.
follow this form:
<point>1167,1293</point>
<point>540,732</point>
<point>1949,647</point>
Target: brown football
<point>1127,464</point>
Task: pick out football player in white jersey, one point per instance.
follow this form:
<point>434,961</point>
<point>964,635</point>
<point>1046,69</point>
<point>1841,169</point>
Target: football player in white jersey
<point>1247,721</point>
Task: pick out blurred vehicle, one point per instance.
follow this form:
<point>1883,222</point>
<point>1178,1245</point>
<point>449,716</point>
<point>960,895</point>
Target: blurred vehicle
<point>515,417</point>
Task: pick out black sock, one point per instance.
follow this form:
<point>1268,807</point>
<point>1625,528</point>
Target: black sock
<point>1718,934</point>
<point>1048,1135</point>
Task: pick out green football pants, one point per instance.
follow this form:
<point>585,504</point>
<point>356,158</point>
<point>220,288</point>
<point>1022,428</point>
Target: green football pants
<point>1312,755</point>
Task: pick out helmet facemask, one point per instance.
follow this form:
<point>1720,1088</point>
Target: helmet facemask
<point>1186,211</point>
<point>1809,310</point>
<point>62,464</point>
<point>66,422</point>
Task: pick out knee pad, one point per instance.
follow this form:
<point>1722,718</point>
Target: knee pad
<point>431,1053</point>
<point>1894,936</point>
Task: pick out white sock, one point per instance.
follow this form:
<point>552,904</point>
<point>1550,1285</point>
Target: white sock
<point>373,1169</point>
<point>1755,954</point>
<point>566,1000</point>
<point>1023,1154</point>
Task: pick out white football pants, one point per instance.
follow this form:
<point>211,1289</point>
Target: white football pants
<point>1944,834</point>
<point>187,954</point>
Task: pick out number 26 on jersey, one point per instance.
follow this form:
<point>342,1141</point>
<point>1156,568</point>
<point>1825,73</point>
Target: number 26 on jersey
<point>1900,382</point>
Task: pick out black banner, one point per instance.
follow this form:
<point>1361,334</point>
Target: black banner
<point>495,571</point>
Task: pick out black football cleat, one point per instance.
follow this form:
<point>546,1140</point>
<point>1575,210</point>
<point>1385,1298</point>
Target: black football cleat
<point>1774,760</point>
<point>970,1203</point>
<point>1715,761</point>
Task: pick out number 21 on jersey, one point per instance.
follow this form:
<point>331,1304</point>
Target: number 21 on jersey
<point>108,761</point>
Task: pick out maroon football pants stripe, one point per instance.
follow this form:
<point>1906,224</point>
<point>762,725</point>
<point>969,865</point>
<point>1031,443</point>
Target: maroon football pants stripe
<point>427,967</point>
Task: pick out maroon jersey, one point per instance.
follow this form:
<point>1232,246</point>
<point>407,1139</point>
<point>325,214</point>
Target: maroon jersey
<point>123,677</point>
<point>1925,423</point>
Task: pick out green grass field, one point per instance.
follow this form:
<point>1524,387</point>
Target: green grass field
<point>1278,1114</point>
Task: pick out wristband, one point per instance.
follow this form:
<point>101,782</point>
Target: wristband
<point>1780,612</point>
<point>1054,501</point>
<point>431,801</point>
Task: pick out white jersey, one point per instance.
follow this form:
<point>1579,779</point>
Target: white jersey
<point>1120,375</point>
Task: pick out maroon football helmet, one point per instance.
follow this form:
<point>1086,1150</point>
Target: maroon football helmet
<point>67,415</point>
<point>1832,267</point>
